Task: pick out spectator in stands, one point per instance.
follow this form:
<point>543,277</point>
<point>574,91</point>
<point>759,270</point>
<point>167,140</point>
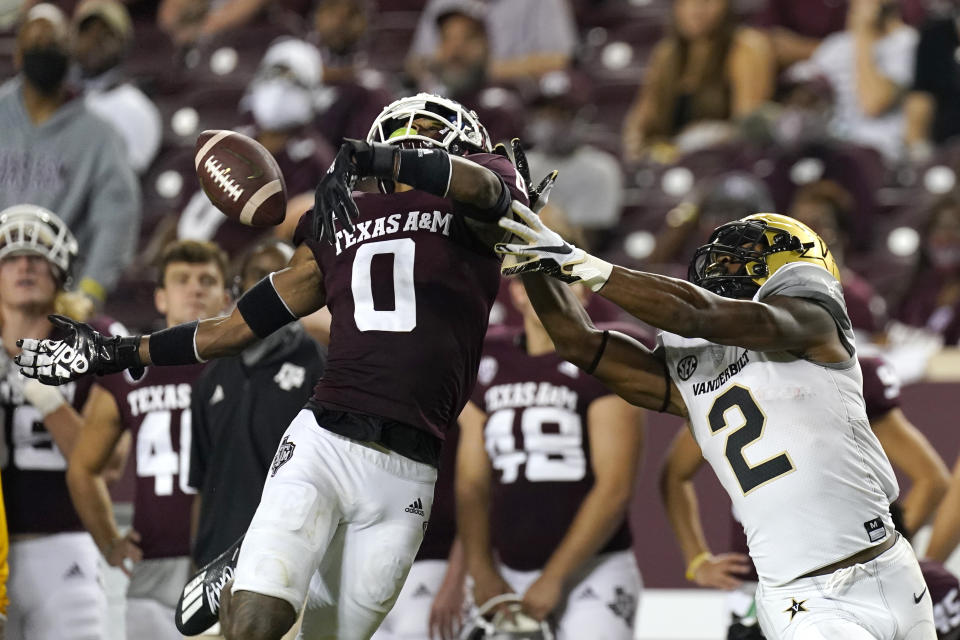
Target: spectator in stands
<point>280,99</point>
<point>589,194</point>
<point>56,154</point>
<point>352,95</point>
<point>104,34</point>
<point>239,407</point>
<point>827,208</point>
<point>946,525</point>
<point>869,66</point>
<point>933,105</point>
<point>189,21</point>
<point>797,28</point>
<point>933,298</point>
<point>458,70</point>
<point>708,70</point>
<point>527,39</point>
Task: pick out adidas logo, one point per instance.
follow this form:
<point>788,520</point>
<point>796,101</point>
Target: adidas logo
<point>74,572</point>
<point>422,592</point>
<point>415,507</point>
<point>588,594</point>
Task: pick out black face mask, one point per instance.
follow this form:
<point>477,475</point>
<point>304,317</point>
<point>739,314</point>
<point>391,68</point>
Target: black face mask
<point>45,68</point>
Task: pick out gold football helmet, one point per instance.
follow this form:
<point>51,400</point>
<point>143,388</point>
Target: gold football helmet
<point>740,255</point>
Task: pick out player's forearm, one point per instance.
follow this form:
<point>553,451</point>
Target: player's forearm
<point>683,512</point>
<point>92,502</point>
<point>64,425</point>
<point>946,525</point>
<point>601,512</point>
<point>473,527</point>
<point>565,319</point>
<point>475,185</point>
<point>921,502</point>
<point>212,338</point>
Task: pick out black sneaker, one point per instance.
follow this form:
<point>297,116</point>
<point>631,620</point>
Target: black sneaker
<point>199,605</point>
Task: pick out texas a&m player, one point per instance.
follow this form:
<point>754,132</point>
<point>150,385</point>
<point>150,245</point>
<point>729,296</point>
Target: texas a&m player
<point>54,583</point>
<point>155,410</point>
<point>545,470</point>
<point>758,353</point>
<point>409,282</point>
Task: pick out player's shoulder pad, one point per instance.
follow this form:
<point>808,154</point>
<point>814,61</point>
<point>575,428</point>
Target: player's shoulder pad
<point>802,280</point>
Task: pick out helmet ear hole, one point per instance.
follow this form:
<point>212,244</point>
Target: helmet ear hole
<point>760,269</point>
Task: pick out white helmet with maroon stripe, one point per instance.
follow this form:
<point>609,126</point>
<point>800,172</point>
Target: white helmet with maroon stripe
<point>461,130</point>
<point>508,622</point>
<point>26,229</point>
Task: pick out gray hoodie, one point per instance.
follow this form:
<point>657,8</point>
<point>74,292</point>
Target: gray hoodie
<point>75,165</point>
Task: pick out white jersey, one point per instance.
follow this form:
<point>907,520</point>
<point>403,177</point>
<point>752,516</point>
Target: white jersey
<point>789,439</point>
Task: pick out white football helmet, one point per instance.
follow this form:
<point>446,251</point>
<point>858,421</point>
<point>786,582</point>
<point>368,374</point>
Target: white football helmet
<point>462,133</point>
<point>511,624</point>
<point>26,229</point>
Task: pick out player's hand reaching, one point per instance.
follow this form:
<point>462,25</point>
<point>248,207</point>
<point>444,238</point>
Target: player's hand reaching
<point>446,611</point>
<point>487,587</point>
<point>84,351</point>
<point>545,251</point>
<point>333,199</point>
<point>725,571</point>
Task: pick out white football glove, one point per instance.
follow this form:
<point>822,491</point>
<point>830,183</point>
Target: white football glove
<point>547,252</point>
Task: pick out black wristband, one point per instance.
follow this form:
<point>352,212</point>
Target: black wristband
<point>127,349</point>
<point>374,159</point>
<point>600,350</point>
<point>425,169</point>
<point>175,345</point>
<point>263,309</point>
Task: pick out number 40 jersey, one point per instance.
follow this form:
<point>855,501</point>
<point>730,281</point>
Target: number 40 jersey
<point>789,439</point>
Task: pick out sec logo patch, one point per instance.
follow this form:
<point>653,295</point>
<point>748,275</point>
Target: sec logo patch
<point>686,367</point>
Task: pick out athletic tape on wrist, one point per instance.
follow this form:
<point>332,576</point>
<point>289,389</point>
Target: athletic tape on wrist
<point>175,345</point>
<point>263,309</point>
<point>593,272</point>
<point>43,398</point>
<point>425,169</point>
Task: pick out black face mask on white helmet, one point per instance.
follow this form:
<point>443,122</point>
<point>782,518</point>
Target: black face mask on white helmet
<point>508,623</point>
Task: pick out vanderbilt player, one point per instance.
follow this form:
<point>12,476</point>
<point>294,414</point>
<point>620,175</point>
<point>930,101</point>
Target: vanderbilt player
<point>545,471</point>
<point>409,279</point>
<point>53,584</point>
<point>155,410</point>
<point>907,448</point>
<point>758,354</point>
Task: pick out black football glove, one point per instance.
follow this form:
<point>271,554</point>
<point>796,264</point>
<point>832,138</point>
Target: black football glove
<point>199,605</point>
<point>83,352</point>
<point>333,199</point>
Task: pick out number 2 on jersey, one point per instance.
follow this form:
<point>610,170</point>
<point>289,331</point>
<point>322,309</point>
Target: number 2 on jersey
<point>403,317</point>
<point>749,476</point>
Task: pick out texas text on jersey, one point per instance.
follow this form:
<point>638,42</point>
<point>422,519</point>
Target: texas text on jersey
<point>156,410</point>
<point>537,440</point>
<point>410,294</point>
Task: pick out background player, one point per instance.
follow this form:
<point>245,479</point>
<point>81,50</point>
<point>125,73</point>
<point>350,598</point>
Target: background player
<point>545,470</point>
<point>54,587</point>
<point>907,448</point>
<point>155,410</point>
<point>349,492</point>
<point>768,378</point>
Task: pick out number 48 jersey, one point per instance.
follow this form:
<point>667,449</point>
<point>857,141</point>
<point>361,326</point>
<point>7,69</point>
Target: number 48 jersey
<point>410,292</point>
<point>789,439</point>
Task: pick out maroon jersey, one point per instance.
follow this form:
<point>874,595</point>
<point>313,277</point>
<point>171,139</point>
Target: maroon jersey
<point>410,293</point>
<point>945,595</point>
<point>34,470</point>
<point>537,440</point>
<point>156,410</point>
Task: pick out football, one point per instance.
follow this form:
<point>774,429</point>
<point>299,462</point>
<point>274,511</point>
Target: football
<point>241,178</point>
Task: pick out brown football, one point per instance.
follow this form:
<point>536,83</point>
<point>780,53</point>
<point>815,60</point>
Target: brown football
<point>241,178</point>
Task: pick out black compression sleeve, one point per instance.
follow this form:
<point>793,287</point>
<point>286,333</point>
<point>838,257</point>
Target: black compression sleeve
<point>425,169</point>
<point>263,309</point>
<point>175,345</point>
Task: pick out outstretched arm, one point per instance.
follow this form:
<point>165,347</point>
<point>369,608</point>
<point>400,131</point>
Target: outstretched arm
<point>946,526</point>
<point>272,303</point>
<point>627,367</point>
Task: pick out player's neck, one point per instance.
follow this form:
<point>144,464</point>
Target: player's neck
<point>41,106</point>
<point>18,323</point>
<point>537,339</point>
